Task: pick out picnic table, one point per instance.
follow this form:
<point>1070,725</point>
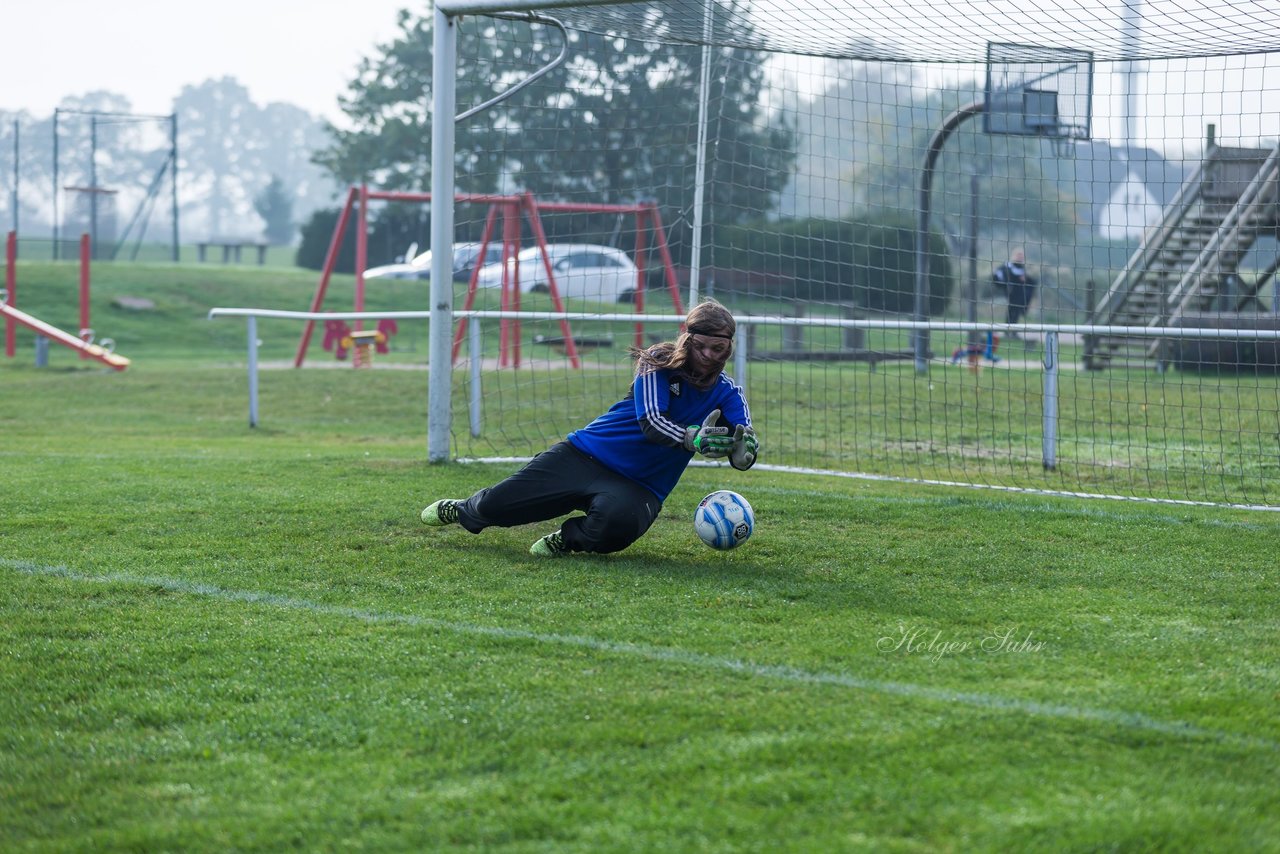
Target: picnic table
<point>232,250</point>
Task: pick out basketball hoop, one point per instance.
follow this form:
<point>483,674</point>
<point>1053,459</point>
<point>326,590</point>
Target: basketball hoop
<point>1064,137</point>
<point>1039,91</point>
<point>1064,147</point>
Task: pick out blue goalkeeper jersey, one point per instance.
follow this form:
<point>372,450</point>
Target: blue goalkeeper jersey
<point>642,435</point>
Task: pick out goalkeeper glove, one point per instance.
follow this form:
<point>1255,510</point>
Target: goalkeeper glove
<point>707,439</point>
<point>742,453</point>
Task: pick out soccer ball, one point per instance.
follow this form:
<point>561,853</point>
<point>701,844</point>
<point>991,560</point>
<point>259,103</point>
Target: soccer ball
<point>724,520</point>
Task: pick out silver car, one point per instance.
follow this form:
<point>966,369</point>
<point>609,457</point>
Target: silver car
<point>466,257</point>
<point>582,271</point>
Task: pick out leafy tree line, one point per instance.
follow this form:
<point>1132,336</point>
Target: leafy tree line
<point>244,169</point>
<point>868,131</point>
<point>609,126</point>
<point>615,124</point>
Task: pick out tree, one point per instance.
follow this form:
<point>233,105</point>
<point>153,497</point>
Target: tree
<point>389,108</point>
<point>275,207</point>
<point>284,138</point>
<point>230,147</point>
<point>389,236</point>
<point>212,124</point>
<point>864,141</point>
<point>317,234</point>
<point>627,118</point>
<point>615,123</point>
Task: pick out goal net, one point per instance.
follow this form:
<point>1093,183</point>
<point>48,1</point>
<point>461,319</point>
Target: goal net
<point>783,147</point>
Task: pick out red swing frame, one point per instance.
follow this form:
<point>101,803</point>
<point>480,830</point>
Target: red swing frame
<point>511,208</point>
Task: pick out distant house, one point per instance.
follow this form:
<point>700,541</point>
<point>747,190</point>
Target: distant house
<point>1131,210</point>
<point>1122,191</point>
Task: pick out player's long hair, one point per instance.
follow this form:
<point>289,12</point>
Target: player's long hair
<point>707,317</point>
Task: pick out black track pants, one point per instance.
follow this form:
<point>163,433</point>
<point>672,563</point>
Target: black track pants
<point>562,480</point>
<point>1020,297</point>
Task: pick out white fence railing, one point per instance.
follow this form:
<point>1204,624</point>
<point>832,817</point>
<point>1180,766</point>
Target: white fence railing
<point>744,359</point>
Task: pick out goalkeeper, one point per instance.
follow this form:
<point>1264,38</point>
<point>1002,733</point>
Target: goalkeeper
<point>621,467</point>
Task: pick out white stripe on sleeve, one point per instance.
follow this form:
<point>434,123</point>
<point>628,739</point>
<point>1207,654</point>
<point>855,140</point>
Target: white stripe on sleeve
<point>651,411</point>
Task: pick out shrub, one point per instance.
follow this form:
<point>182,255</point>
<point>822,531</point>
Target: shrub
<point>867,264</point>
<point>317,233</point>
<point>391,231</point>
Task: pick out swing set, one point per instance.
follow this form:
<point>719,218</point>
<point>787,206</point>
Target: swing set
<point>514,211</point>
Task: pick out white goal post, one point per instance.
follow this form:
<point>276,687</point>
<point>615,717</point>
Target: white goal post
<point>444,103</point>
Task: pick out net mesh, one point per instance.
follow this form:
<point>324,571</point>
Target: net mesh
<point>816,119</point>
<point>946,32</point>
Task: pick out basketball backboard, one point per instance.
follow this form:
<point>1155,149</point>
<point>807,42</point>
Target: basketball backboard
<point>1038,91</point>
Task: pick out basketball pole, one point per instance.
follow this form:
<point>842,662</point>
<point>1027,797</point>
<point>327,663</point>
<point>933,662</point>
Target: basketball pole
<point>920,314</point>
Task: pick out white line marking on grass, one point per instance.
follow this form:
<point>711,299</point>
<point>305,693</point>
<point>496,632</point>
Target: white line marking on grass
<point>889,478</point>
<point>1002,505</point>
<point>785,673</point>
<point>1020,490</point>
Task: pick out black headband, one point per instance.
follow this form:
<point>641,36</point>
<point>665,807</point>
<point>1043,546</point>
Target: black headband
<point>709,332</point>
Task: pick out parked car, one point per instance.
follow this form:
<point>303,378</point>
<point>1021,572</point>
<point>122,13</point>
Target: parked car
<point>465,258</point>
<point>582,271</point>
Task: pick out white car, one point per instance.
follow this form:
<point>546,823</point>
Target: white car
<point>466,257</point>
<point>582,271</point>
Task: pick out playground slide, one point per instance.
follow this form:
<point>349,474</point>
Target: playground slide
<point>66,339</point>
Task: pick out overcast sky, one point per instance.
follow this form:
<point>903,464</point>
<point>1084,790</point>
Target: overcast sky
<point>303,52</point>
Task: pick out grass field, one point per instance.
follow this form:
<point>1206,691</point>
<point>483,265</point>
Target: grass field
<point>218,638</point>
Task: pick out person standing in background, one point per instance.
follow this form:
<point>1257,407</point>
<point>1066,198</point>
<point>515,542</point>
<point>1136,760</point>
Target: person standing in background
<point>1012,278</point>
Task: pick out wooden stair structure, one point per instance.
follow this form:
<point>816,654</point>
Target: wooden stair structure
<point>1186,265</point>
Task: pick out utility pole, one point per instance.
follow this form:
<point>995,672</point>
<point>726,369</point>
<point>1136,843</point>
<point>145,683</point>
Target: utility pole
<point>16,149</point>
<point>173,164</point>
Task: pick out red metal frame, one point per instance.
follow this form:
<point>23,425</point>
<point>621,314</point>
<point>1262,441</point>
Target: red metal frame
<point>13,317</point>
<point>86,332</point>
<point>530,206</point>
<point>475,273</point>
<point>510,301</point>
<point>11,292</point>
<point>362,250</point>
<point>330,259</point>
<point>511,208</point>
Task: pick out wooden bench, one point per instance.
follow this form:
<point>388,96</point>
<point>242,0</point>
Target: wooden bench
<point>232,250</point>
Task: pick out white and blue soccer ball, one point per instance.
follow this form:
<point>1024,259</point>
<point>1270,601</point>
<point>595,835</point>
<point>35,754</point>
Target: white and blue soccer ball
<point>724,520</point>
